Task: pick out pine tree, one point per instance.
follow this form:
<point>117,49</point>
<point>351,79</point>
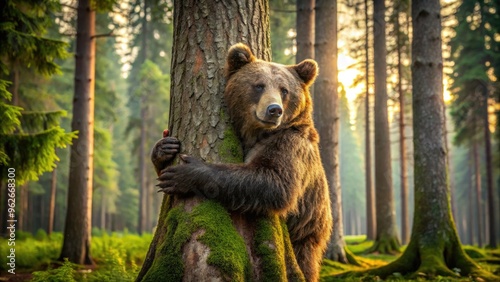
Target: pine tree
<point>386,240</point>
<point>27,139</point>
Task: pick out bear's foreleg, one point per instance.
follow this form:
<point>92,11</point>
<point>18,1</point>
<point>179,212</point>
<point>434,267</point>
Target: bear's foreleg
<point>239,187</point>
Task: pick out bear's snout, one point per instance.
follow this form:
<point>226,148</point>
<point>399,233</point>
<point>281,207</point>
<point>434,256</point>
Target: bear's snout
<point>274,111</point>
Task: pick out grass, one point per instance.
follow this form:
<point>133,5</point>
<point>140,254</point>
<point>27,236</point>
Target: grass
<point>487,259</point>
<point>119,255</point>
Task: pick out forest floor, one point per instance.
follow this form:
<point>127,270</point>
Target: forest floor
<point>118,257</point>
<point>359,246</point>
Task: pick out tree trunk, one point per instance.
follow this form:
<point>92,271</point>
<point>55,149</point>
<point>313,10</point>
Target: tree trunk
<point>197,239</point>
<point>405,223</point>
<point>76,245</point>
<point>479,194</point>
<point>434,247</point>
<point>386,240</point>
<point>492,243</point>
<point>326,117</point>
<point>142,223</point>
<point>305,30</point>
<point>142,170</point>
<point>52,201</point>
<point>370,193</point>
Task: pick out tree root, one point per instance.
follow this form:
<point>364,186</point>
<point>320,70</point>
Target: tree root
<point>385,245</point>
<point>428,263</point>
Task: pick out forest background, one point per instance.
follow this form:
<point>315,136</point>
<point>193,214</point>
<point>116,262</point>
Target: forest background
<point>132,67</point>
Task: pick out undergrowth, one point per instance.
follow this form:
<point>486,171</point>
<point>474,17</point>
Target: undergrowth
<point>119,255</point>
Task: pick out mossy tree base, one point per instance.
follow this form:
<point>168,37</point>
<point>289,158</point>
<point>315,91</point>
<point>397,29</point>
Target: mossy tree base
<point>198,240</point>
<point>385,245</point>
<point>351,258</point>
<point>421,260</point>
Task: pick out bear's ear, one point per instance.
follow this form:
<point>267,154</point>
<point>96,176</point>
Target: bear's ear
<point>238,56</point>
<point>307,71</point>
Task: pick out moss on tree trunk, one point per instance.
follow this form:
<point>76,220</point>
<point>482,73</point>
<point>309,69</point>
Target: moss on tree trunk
<point>197,239</point>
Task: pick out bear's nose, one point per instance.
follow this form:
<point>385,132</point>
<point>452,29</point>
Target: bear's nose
<point>274,110</point>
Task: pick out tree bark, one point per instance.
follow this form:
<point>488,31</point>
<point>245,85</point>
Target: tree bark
<point>370,193</point>
<point>386,240</point>
<point>326,117</point>
<point>52,201</point>
<point>197,239</point>
<point>76,245</point>
<point>305,30</point>
<point>434,247</point>
<point>405,223</point>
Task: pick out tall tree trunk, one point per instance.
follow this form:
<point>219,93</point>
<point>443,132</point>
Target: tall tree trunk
<point>142,170</point>
<point>405,222</point>
<point>76,245</point>
<point>479,194</point>
<point>370,193</point>
<point>142,223</point>
<point>386,240</point>
<point>434,247</point>
<point>326,117</point>
<point>305,30</point>
<point>197,239</point>
<point>470,214</point>
<point>52,201</point>
<point>490,188</point>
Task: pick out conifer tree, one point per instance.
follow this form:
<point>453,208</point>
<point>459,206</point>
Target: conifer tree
<point>27,139</point>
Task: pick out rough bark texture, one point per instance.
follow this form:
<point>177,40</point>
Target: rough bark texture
<point>326,116</point>
<point>386,240</point>
<point>76,245</point>
<point>197,239</point>
<point>305,30</point>
<point>405,223</point>
<point>434,247</point>
<point>370,193</point>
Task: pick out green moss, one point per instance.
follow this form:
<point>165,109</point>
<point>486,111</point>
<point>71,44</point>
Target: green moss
<point>294,272</point>
<point>168,265</point>
<point>230,148</point>
<point>227,249</point>
<point>270,249</point>
<point>386,245</point>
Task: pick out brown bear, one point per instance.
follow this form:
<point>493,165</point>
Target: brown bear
<point>271,111</point>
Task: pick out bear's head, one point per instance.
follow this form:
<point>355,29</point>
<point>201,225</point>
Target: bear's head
<point>264,96</point>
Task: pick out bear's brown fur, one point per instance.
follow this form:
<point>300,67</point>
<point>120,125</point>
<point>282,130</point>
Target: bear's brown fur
<point>271,110</point>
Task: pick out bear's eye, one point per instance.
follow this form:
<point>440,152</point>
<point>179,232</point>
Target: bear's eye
<point>284,91</point>
<point>259,87</point>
